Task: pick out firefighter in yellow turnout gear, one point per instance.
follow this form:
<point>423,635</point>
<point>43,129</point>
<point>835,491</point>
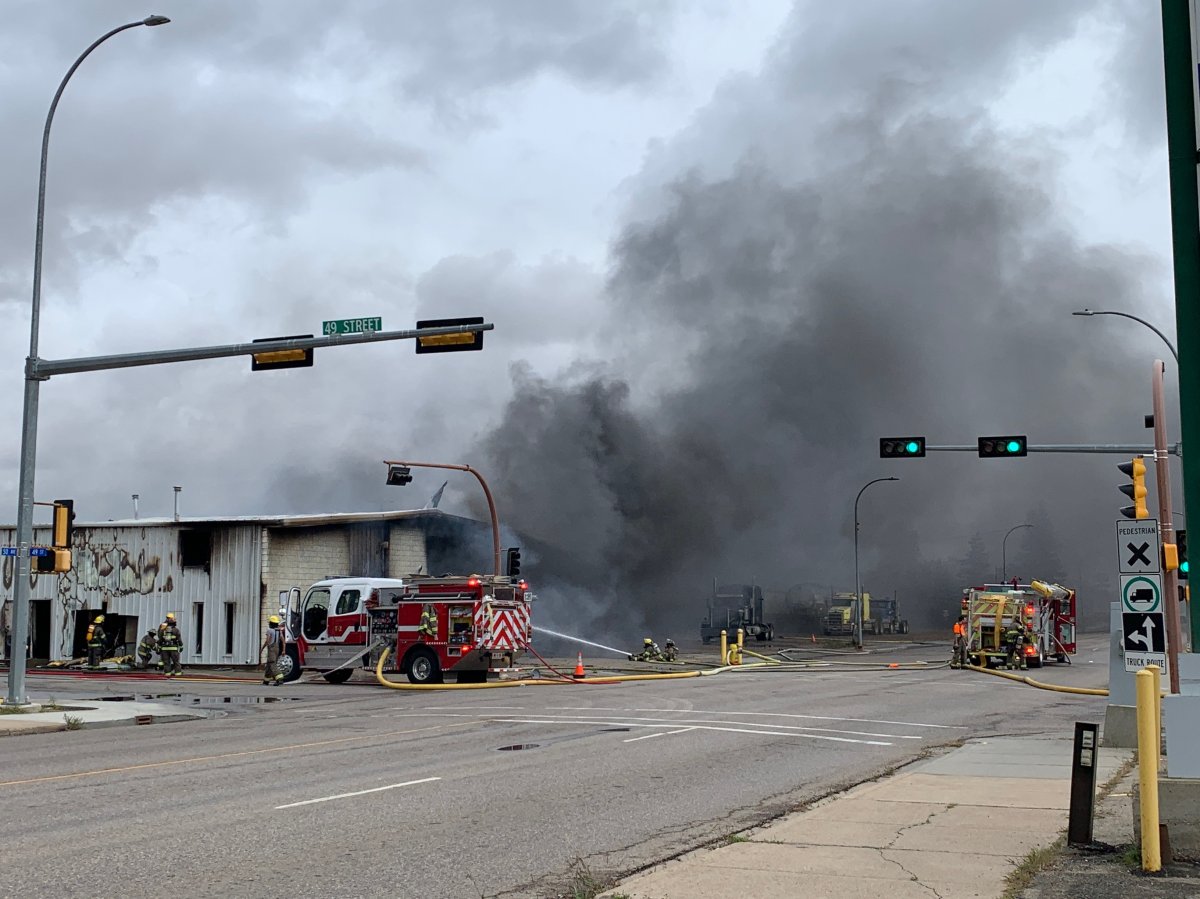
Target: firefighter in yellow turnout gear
<point>273,644</point>
<point>95,642</point>
<point>428,626</point>
<point>170,642</point>
<point>147,647</point>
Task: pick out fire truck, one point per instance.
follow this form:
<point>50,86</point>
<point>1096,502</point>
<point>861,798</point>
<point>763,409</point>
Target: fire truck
<point>480,624</point>
<point>1047,611</point>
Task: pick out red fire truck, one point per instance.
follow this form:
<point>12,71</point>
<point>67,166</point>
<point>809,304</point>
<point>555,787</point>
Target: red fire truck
<point>481,623</point>
<point>1047,612</point>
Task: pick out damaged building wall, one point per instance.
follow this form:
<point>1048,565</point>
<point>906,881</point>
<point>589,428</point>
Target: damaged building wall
<point>207,575</point>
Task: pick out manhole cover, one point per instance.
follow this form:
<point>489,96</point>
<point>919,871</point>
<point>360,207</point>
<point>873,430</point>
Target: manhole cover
<point>518,746</point>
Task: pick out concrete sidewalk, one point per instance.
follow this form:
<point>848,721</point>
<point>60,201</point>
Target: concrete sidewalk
<point>91,713</point>
<point>951,827</point>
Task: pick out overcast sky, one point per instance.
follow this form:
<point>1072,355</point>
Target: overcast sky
<point>726,247</point>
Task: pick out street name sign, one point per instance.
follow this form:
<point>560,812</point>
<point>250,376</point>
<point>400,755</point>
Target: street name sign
<point>1145,640</point>
<point>1141,593</point>
<point>351,326</point>
<point>1137,546</point>
<point>9,551</point>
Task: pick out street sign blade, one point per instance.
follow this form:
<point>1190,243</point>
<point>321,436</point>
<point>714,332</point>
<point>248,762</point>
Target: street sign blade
<point>351,326</point>
<point>8,550</point>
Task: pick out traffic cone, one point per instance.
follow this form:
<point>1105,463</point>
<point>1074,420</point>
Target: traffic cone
<point>579,672</point>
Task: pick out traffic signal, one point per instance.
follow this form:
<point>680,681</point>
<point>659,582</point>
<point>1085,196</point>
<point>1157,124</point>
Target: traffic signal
<point>1181,551</point>
<point>64,517</point>
<point>450,343</point>
<point>399,475</point>
<point>901,447</point>
<point>298,358</point>
<point>1135,468</point>
<point>995,447</point>
<point>513,565</point>
<point>52,561</point>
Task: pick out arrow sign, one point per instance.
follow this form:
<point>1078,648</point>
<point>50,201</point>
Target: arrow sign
<point>1144,632</point>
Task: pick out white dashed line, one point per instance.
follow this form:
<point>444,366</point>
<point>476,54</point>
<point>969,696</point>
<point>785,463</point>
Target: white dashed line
<point>407,783</point>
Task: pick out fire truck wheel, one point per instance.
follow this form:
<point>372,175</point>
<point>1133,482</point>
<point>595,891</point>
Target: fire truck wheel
<point>289,665</point>
<point>340,676</point>
<point>422,667</point>
<point>1034,661</point>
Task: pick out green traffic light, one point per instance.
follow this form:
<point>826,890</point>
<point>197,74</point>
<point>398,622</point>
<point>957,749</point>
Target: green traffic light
<point>1183,566</point>
<point>1013,446</point>
<point>912,446</point>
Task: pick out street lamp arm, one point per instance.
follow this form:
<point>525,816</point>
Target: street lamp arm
<point>857,583</point>
<point>1140,321</point>
<point>1004,549</point>
<point>486,492</point>
<point>41,202</point>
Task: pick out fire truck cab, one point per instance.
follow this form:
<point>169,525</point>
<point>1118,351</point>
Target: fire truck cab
<point>466,624</point>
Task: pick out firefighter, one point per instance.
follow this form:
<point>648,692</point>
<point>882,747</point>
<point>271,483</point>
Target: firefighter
<point>428,626</point>
<point>1014,640</point>
<point>95,642</point>
<point>170,642</point>
<point>146,648</point>
<point>958,656</point>
<point>273,644</point>
<point>670,651</point>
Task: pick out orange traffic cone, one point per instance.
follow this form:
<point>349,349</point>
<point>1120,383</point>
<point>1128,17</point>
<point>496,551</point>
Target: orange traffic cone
<point>579,672</point>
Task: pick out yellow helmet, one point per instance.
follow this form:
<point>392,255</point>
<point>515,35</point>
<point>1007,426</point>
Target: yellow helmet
<point>170,616</point>
<point>274,619</point>
<point>99,619</point>
<point>647,641</point>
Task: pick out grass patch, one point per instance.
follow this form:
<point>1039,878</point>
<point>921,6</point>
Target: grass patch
<point>1131,857</point>
<point>11,710</point>
<point>1034,863</point>
<point>74,722</point>
<point>584,884</point>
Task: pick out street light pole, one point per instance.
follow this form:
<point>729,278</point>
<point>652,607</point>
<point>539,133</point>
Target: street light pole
<point>1141,321</point>
<point>858,615</point>
<point>24,537</point>
<point>486,492</point>
<point>1004,550</point>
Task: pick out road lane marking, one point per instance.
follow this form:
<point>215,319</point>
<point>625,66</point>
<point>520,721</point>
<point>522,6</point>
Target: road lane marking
<point>665,733</point>
<point>731,730</point>
<point>800,727</point>
<point>407,783</point>
<point>224,755</point>
<point>600,708</point>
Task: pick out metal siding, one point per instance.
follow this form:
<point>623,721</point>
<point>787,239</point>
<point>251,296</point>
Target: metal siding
<point>136,571</point>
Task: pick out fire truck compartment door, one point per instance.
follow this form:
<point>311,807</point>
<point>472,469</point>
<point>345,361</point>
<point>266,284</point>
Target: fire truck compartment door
<point>314,616</point>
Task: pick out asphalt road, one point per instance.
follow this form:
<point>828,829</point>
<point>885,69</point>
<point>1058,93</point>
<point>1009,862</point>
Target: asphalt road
<point>353,790</point>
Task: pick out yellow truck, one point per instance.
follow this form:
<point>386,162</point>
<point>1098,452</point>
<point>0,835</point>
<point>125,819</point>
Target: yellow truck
<point>840,619</point>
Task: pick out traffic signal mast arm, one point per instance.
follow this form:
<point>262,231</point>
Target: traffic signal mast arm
<point>1122,449</point>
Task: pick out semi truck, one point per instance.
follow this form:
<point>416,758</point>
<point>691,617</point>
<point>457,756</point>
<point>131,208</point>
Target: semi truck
<point>840,619</point>
<point>887,616</point>
<point>480,624</point>
<point>734,606</point>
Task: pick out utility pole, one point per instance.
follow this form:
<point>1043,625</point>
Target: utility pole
<point>1180,80</point>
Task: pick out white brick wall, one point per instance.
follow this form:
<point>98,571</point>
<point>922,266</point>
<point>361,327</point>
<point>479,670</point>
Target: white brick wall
<point>406,551</point>
<point>301,557</point>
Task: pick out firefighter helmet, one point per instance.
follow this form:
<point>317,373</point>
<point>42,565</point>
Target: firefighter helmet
<point>647,642</point>
<point>99,619</point>
<point>670,642</point>
<point>170,616</point>
<point>274,619</point>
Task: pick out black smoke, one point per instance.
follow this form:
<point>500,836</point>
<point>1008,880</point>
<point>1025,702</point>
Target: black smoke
<point>878,262</point>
